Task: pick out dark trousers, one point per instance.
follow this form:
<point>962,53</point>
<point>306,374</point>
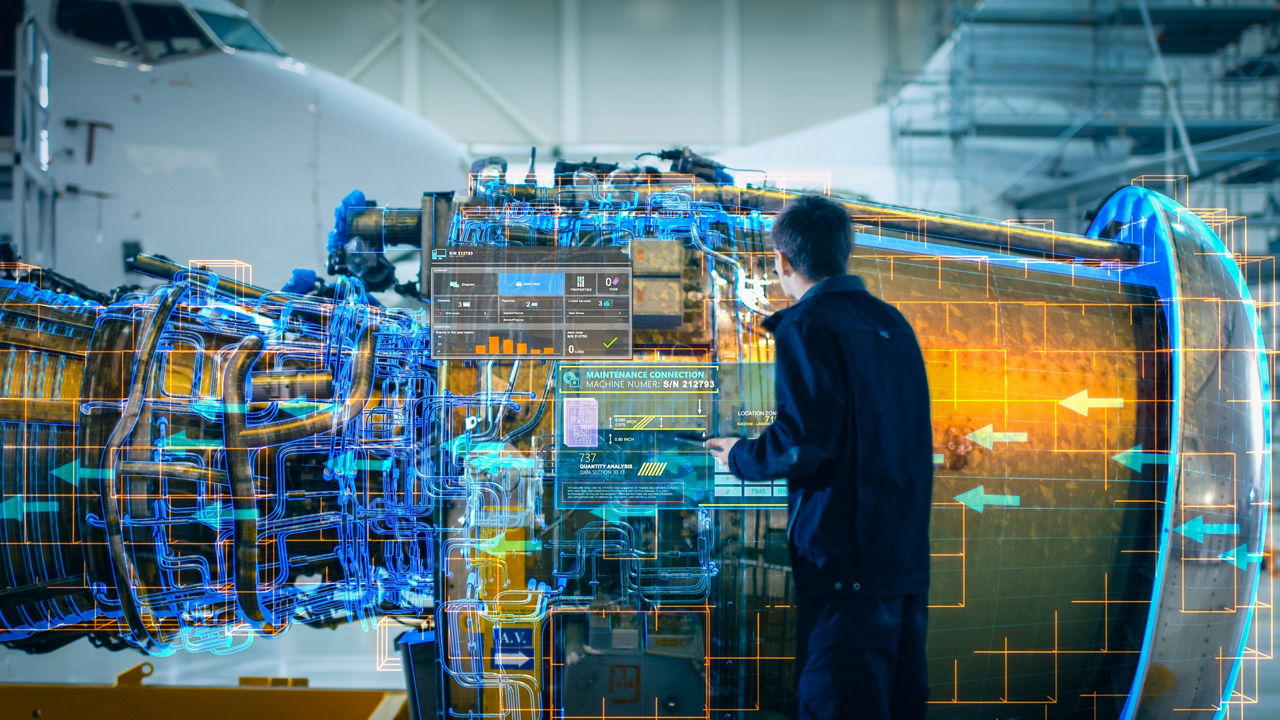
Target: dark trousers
<point>862,657</point>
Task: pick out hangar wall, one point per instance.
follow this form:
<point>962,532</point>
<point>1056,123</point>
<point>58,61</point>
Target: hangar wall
<point>560,72</point>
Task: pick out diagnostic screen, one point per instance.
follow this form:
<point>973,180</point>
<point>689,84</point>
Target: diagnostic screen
<point>629,434</point>
<point>548,302</point>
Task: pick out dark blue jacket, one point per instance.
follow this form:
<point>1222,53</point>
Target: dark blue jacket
<point>853,438</point>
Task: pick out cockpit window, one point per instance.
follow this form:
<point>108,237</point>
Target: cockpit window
<point>238,33</point>
<point>100,22</point>
<point>169,30</point>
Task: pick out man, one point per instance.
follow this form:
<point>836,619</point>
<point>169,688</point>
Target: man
<point>852,437</point>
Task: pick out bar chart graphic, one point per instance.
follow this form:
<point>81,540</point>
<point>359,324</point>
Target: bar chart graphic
<point>547,302</point>
<point>497,345</point>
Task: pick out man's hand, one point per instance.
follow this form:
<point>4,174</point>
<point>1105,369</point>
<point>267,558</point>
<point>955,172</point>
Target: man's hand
<point>720,447</point>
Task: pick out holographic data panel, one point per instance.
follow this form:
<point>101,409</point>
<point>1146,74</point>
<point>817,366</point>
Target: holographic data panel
<point>535,302</point>
<point>629,434</point>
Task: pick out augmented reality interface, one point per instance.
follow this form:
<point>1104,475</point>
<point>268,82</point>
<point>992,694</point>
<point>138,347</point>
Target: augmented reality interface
<point>642,426</point>
<point>565,302</point>
<point>194,467</point>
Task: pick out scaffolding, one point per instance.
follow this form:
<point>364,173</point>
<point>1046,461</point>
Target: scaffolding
<point>1044,108</point>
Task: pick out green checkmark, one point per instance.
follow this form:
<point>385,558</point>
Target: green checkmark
<point>610,342</point>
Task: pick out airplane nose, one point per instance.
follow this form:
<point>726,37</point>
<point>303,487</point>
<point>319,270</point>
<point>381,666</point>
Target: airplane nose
<point>368,142</point>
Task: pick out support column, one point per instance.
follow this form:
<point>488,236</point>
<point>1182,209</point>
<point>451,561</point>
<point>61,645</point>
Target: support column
<point>731,71</point>
<point>570,72</point>
<point>410,55</point>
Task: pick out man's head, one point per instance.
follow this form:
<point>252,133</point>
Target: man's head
<point>811,241</point>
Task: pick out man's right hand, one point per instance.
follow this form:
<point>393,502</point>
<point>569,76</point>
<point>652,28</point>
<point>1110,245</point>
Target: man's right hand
<point>720,447</point>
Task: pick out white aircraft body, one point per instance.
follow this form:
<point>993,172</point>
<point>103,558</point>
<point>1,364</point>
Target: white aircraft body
<point>181,125</point>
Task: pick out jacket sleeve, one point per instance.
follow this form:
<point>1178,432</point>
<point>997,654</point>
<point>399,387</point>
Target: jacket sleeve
<point>811,411</point>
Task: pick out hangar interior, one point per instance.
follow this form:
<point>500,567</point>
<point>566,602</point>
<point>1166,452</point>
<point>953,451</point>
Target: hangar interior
<point>274,449</point>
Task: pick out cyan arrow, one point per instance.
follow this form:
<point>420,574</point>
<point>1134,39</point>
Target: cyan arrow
<point>383,464</point>
<point>1134,458</point>
<point>500,545</point>
<point>1197,528</point>
<point>346,464</point>
<point>211,408</point>
<point>302,406</point>
<point>978,498</point>
<point>15,507</point>
<point>211,515</point>
<point>180,440</point>
<point>1240,556</point>
<point>207,408</point>
<point>72,473</point>
<point>987,437</point>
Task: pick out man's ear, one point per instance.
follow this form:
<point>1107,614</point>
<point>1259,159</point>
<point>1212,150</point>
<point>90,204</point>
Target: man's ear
<point>784,265</point>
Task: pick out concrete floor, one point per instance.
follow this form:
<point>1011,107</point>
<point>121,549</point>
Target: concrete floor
<point>346,657</point>
<point>349,657</point>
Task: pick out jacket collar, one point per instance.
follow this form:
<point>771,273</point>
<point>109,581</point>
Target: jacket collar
<point>832,284</point>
